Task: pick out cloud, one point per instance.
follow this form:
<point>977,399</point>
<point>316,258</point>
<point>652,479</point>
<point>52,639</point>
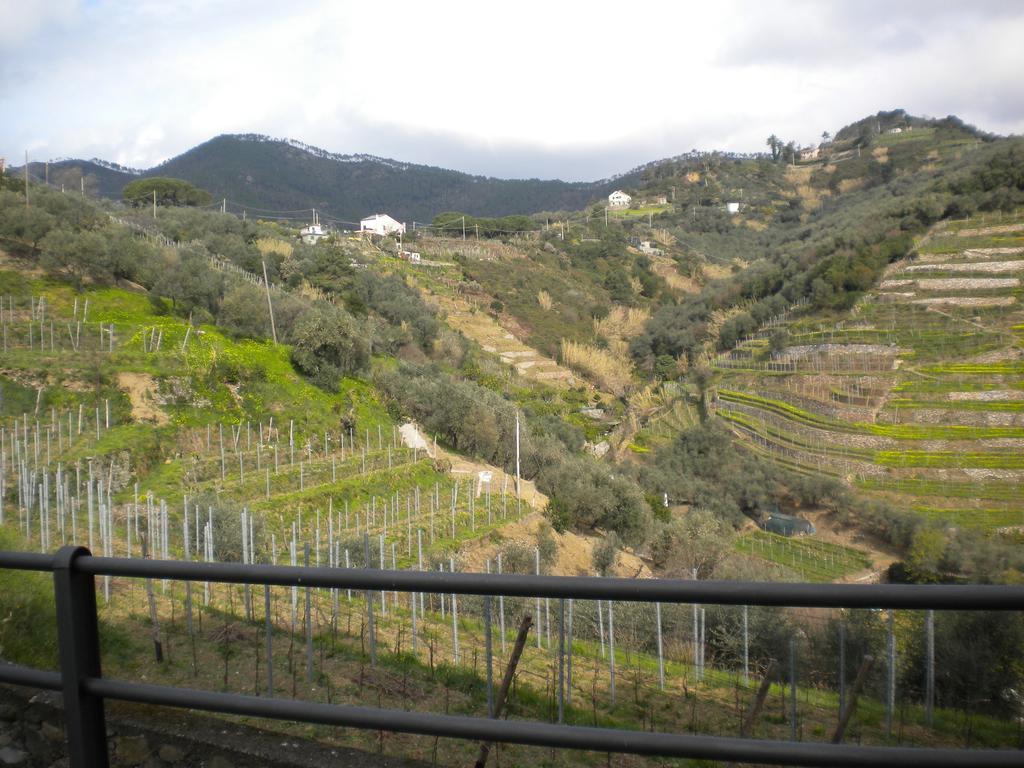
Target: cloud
<point>21,21</point>
<point>524,89</point>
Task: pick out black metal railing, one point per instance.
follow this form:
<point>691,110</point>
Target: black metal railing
<point>84,688</point>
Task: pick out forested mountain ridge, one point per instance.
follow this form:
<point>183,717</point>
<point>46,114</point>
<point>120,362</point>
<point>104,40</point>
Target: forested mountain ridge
<point>284,175</point>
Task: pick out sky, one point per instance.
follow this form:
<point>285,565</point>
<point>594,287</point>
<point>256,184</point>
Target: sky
<point>578,91</point>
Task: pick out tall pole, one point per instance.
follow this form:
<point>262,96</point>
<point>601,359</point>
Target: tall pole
<point>154,203</point>
<point>266,284</point>
<point>26,178</point>
<point>518,490</point>
<point>463,227</point>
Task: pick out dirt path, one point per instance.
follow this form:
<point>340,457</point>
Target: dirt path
<point>141,391</point>
<point>413,437</point>
<point>489,334</point>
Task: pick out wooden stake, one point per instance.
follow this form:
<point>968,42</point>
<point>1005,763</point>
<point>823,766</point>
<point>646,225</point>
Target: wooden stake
<point>506,683</point>
<point>850,708</point>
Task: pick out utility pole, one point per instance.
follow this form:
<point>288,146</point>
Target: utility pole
<point>224,205</point>
<point>26,178</point>
<point>154,203</point>
<point>606,215</point>
<point>46,172</point>
<point>82,183</point>
<point>463,227</point>
<point>266,284</point>
<point>517,455</point>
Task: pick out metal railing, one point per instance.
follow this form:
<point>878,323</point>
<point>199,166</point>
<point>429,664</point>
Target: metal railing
<point>84,688</point>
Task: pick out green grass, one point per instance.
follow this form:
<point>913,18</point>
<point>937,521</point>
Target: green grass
<point>811,558</point>
<point>906,137</point>
<point>950,459</point>
<point>986,519</point>
<point>895,431</point>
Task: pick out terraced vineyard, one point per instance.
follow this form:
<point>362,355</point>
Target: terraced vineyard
<point>917,394</point>
<point>808,559</point>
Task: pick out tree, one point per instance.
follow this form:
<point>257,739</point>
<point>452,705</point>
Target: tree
<point>78,254</point>
<point>168,192</point>
<point>328,346</point>
<point>775,144</point>
<point>925,555</point>
<point>605,553</point>
<point>29,225</point>
<point>243,312</point>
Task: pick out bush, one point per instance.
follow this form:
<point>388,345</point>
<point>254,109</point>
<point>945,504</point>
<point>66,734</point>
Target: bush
<point>328,346</point>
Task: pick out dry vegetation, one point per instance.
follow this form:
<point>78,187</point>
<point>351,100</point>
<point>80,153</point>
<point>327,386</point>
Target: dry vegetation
<point>608,368</point>
<point>621,322</point>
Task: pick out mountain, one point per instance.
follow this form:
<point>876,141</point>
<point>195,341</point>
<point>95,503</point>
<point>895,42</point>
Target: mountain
<point>258,172</point>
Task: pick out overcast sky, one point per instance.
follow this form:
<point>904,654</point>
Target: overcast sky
<point>512,89</point>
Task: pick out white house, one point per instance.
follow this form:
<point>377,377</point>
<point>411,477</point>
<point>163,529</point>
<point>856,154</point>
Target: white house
<point>810,153</point>
<point>619,199</point>
<point>381,224</point>
<point>312,234</point>
<point>732,208</point>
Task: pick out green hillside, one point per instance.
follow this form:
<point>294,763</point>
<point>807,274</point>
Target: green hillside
<point>256,172</point>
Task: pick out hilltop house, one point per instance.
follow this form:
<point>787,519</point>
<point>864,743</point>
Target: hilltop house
<point>312,234</point>
<point>732,208</point>
<point>810,153</point>
<point>619,199</point>
<point>381,224</point>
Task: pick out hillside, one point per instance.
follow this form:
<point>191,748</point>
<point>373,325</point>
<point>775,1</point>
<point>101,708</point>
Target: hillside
<point>257,172</point>
<point>669,376</point>
<point>914,394</point>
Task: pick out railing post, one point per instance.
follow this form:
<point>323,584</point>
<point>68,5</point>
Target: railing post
<point>79,641</point>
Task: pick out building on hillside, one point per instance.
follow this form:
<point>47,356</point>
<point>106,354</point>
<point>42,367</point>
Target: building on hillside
<point>732,208</point>
<point>661,200</point>
<point>312,234</point>
<point>619,199</point>
<point>810,153</point>
<point>381,224</point>
<point>412,256</point>
<point>788,525</point>
<point>897,129</point>
<point>646,246</point>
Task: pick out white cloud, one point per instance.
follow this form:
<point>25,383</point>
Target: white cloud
<point>526,89</point>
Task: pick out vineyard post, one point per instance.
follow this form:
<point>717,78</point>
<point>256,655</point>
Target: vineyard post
<point>929,695</point>
<point>506,683</point>
<point>842,668</point>
<point>309,623</point>
<point>369,603</point>
<point>268,630</point>
<point>561,660</point>
<point>611,652</point>
<point>792,689</point>
<point>746,645</point>
<point>851,707</point>
<point>536,555</point>
<point>661,657</point>
<point>890,687</point>
<point>488,651</point>
<point>501,602</point>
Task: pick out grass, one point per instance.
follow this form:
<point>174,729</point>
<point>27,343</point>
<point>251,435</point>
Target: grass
<point>611,371</point>
<point>810,558</point>
<point>950,459</point>
<point>986,519</point>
